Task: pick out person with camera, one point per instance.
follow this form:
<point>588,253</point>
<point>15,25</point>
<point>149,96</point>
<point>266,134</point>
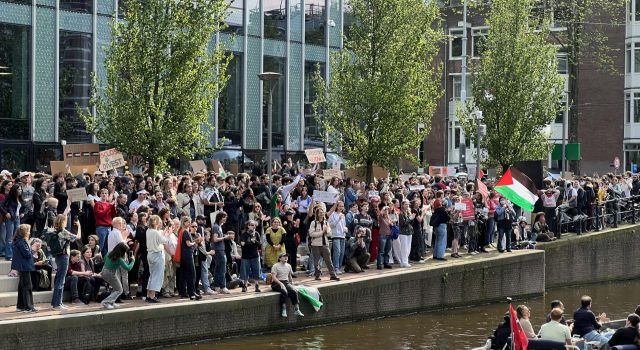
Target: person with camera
<point>505,216</point>
<point>113,262</point>
<point>356,253</point>
<point>120,234</point>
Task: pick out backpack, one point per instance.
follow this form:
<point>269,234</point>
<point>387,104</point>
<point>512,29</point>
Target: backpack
<point>395,232</point>
<point>53,243</point>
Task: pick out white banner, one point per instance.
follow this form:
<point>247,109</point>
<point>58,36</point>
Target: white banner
<point>325,197</point>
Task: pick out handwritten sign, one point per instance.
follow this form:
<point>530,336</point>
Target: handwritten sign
<point>372,194</point>
<point>77,194</point>
<point>405,177</point>
<point>58,166</point>
<point>198,166</point>
<point>331,173</point>
<point>460,206</point>
<point>416,188</point>
<point>315,155</point>
<point>325,197</point>
<point>111,159</point>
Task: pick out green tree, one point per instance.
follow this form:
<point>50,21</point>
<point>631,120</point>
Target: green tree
<point>384,83</point>
<point>163,72</point>
<point>515,85</point>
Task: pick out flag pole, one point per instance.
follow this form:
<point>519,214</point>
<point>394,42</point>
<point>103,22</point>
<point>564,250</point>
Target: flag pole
<point>513,344</point>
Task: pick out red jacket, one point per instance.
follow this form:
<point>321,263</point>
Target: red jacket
<point>104,212</point>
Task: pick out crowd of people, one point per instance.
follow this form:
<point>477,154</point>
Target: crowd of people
<point>584,325</point>
<point>202,233</point>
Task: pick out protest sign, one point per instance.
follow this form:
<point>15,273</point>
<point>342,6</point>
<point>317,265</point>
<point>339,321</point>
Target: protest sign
<point>198,166</point>
<point>331,173</point>
<point>315,155</point>
<point>77,194</point>
<point>81,154</point>
<point>325,197</point>
<point>111,159</point>
<point>58,166</point>
<point>405,177</point>
<point>233,168</point>
<point>216,166</point>
<point>460,206</point>
<point>416,188</point>
<point>373,194</point>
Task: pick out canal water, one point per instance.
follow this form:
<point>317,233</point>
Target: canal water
<point>460,328</point>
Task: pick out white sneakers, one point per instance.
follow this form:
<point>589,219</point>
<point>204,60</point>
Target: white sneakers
<point>108,306</point>
<point>224,291</point>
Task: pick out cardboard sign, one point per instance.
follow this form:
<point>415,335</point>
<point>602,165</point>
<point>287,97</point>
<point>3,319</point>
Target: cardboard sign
<point>198,166</point>
<point>416,188</point>
<point>57,167</point>
<point>405,177</point>
<point>233,168</point>
<point>216,166</point>
<point>81,154</point>
<point>331,173</point>
<point>77,194</point>
<point>111,159</point>
<point>325,197</point>
<point>315,155</point>
<point>82,169</point>
<point>439,170</point>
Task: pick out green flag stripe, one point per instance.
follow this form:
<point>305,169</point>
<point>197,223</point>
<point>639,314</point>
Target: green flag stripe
<point>511,195</point>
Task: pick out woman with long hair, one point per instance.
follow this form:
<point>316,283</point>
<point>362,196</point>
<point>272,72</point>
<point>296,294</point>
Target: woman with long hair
<point>14,209</point>
<point>319,232</point>
<point>23,263</point>
<point>629,334</point>
<point>40,196</point>
<point>62,257</point>
<point>275,242</point>
<point>112,262</point>
<point>217,241</point>
<point>187,245</point>
<point>156,241</point>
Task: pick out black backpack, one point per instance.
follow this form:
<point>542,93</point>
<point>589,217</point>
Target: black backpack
<point>53,243</point>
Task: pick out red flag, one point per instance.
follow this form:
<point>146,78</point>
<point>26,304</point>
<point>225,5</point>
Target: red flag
<point>482,188</point>
<point>481,174</point>
<point>520,340</point>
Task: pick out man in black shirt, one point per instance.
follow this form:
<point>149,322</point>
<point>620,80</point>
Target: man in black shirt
<point>585,323</point>
<point>559,305</point>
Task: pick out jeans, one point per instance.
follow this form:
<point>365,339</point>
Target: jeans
<point>250,268</point>
<point>113,280</point>
<point>289,292</point>
<point>441,241</point>
<point>502,231</point>
<point>221,267</point>
<point>491,227</point>
<point>10,227</point>
<point>62,263</point>
<point>595,336</point>
<point>338,252</point>
<point>2,239</point>
<point>103,233</point>
<point>384,249</point>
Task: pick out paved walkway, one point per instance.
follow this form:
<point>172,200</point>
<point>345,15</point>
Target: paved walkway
<point>10,313</point>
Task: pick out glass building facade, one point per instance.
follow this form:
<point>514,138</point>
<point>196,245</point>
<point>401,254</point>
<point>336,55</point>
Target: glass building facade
<point>49,50</point>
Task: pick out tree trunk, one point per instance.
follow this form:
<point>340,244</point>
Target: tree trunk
<point>369,171</point>
<point>152,167</point>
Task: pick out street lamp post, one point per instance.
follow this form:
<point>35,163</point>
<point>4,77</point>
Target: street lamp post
<point>482,130</point>
<point>272,79</point>
<point>463,81</point>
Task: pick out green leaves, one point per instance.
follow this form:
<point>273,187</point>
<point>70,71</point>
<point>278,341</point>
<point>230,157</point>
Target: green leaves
<point>162,75</point>
<point>516,86</point>
<point>384,83</point>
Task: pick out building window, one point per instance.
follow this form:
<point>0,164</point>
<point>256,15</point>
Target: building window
<point>278,65</point>
<point>627,108</point>
<point>315,17</point>
<point>312,129</point>
<point>455,43</point>
<point>563,64</point>
<point>636,13</point>
<point>75,85</point>
<point>230,104</point>
<point>636,107</point>
<point>457,86</point>
<point>235,17</point>
<point>348,19</point>
<point>77,5</point>
<point>562,110</point>
<point>15,82</point>
<point>628,58</point>
<point>479,40</point>
<point>24,2</point>
<point>636,58</point>
<point>275,19</point>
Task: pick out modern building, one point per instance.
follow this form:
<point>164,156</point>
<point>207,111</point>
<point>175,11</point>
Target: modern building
<point>599,107</point>
<point>49,50</point>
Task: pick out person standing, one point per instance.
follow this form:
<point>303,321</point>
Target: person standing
<point>24,264</point>
<point>250,265</point>
<point>406,232</point>
<point>186,246</point>
<point>319,231</point>
<point>155,257</point>
<point>217,239</point>
<point>103,212</point>
<point>61,256</point>
<point>439,221</point>
<point>338,225</point>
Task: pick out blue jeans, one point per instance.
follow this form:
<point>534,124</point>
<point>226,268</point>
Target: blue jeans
<point>441,241</point>
<point>10,227</point>
<point>491,227</point>
<point>502,231</point>
<point>2,239</point>
<point>337,256</point>
<point>204,277</point>
<point>595,336</point>
<point>250,268</point>
<point>221,267</point>
<point>103,233</point>
<point>384,249</point>
<point>62,263</point>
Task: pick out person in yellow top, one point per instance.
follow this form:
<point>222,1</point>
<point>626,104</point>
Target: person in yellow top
<point>275,242</point>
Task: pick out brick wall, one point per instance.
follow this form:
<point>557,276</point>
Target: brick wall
<point>480,281</point>
<point>596,257</point>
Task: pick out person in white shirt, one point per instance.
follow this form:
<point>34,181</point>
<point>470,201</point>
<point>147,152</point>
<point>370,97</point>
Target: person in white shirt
<point>282,282</point>
<point>140,201</point>
<point>119,234</point>
<point>554,330</point>
<point>338,226</point>
<point>156,240</point>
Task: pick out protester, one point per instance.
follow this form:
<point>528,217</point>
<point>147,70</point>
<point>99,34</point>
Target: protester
<point>24,264</point>
<point>282,282</point>
<point>114,261</point>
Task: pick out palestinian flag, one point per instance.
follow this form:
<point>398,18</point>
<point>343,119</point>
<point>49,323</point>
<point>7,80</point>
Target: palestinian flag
<point>518,188</point>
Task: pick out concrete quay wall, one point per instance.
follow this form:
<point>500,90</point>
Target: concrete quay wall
<point>426,288</point>
<point>604,256</point>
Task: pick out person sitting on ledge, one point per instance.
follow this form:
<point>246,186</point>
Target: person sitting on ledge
<point>541,229</point>
<point>282,282</point>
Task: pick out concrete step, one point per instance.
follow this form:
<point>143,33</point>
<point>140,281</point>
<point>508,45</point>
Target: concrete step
<point>10,298</point>
<point>5,266</point>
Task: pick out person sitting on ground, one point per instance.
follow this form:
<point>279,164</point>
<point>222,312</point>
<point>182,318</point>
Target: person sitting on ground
<point>356,253</point>
<point>77,280</point>
<point>282,282</point>
<point>90,266</point>
<point>523,317</point>
<point>554,330</point>
<point>541,229</point>
<point>629,334</point>
<point>41,278</point>
<point>557,304</point>
<point>96,254</point>
<point>586,324</point>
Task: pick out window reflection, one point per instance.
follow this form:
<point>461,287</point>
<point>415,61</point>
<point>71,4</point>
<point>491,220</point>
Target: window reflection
<point>230,104</point>
<point>312,129</point>
<point>75,84</point>
<point>278,65</point>
<point>348,19</point>
<point>314,21</point>
<point>234,17</point>
<point>77,5</point>
<point>275,19</point>
<point>15,92</point>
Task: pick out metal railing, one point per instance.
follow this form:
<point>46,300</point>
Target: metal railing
<point>598,216</point>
